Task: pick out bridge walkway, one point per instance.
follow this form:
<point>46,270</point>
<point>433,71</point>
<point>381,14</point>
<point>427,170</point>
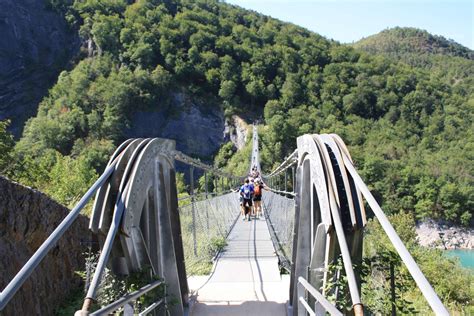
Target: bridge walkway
<point>246,278</point>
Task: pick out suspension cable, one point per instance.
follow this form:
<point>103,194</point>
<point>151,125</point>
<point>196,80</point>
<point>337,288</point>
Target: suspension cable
<point>177,155</point>
<point>287,163</point>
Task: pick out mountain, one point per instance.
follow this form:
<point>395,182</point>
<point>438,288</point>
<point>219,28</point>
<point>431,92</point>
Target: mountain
<point>407,40</point>
<point>444,58</point>
<point>157,67</point>
<point>36,45</point>
<point>187,69</point>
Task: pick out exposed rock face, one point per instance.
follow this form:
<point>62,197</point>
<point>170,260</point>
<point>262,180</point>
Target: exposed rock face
<point>27,217</point>
<point>443,236</point>
<point>238,131</point>
<point>35,45</point>
<point>197,129</point>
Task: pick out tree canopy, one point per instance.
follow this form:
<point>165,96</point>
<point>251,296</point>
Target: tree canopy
<point>405,111</point>
<point>409,128</point>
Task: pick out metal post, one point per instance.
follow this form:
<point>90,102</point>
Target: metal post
<point>286,180</point>
<point>215,184</point>
<point>300,294</point>
<point>207,210</point>
<point>193,210</point>
<point>392,288</point>
<point>293,179</point>
<point>205,183</point>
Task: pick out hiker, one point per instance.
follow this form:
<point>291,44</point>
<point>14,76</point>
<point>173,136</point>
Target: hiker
<point>246,193</point>
<point>252,207</point>
<point>257,197</point>
<point>254,172</point>
<point>257,174</point>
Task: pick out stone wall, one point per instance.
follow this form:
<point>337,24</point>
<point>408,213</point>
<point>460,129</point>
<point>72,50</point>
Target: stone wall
<point>27,217</point>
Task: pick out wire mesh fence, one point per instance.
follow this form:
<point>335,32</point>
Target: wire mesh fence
<point>205,225</point>
<point>280,213</point>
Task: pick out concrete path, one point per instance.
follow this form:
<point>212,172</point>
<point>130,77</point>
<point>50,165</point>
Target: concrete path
<point>246,279</point>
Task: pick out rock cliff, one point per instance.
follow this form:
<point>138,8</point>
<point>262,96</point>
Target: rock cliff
<point>238,130</point>
<point>27,217</point>
<point>199,129</point>
<point>35,46</point>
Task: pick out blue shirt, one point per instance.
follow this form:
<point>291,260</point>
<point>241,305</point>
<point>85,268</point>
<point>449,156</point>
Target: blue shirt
<point>247,191</point>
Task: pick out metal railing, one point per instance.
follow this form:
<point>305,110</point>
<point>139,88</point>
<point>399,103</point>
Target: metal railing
<point>420,279</point>
<point>205,218</point>
<point>279,208</point>
<point>131,297</point>
<point>331,211</point>
<point>204,221</point>
<point>279,211</point>
<point>321,306</point>
<point>20,278</point>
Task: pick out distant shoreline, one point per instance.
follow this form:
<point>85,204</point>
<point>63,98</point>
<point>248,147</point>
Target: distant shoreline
<point>441,235</point>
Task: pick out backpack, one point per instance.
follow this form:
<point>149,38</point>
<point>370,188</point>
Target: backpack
<point>247,192</point>
<point>258,190</point>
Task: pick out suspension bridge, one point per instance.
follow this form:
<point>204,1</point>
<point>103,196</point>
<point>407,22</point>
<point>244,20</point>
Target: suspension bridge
<point>314,215</point>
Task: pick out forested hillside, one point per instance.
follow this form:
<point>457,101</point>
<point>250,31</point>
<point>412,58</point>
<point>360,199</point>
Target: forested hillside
<point>408,117</point>
<point>36,45</point>
<point>410,130</point>
<point>418,48</point>
<point>408,40</point>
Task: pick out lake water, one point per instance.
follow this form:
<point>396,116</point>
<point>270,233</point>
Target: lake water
<point>466,257</point>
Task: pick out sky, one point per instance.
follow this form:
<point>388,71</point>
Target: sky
<point>350,20</point>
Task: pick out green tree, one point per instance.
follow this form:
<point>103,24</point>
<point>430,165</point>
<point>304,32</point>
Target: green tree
<point>6,146</point>
<point>227,90</point>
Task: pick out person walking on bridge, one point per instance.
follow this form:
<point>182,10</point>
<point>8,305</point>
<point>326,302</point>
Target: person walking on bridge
<point>257,197</point>
<point>246,194</point>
